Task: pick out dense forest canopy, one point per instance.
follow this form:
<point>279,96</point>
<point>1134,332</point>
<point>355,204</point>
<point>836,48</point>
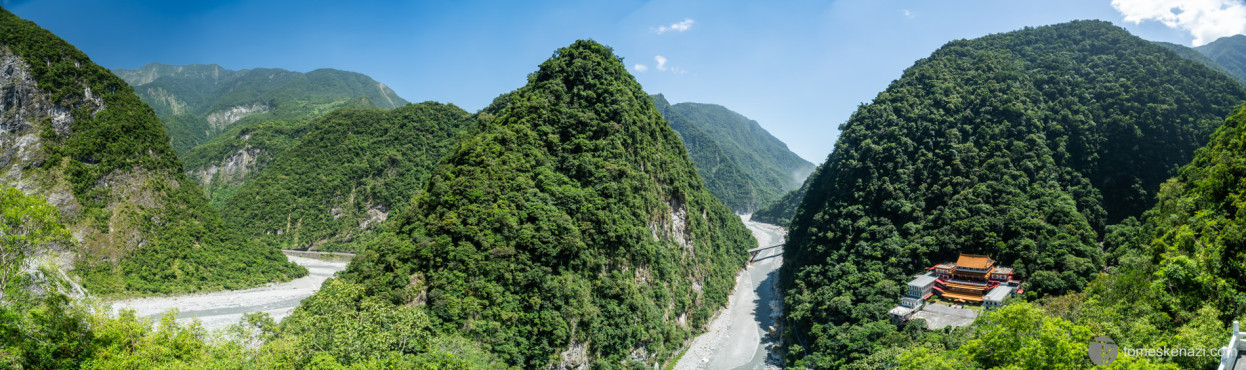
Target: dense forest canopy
<point>1022,145</point>
<point>343,178</point>
<point>742,164</point>
<point>107,162</point>
<point>194,100</point>
<point>228,126</point>
<point>570,228</point>
<point>723,177</point>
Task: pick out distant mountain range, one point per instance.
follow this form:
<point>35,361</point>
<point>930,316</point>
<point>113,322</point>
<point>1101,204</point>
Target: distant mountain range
<point>1228,52</point>
<point>227,125</point>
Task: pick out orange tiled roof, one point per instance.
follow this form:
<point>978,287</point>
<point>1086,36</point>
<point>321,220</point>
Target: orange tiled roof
<point>974,261</point>
<point>967,297</point>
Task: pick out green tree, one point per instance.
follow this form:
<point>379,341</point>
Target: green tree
<point>26,222</point>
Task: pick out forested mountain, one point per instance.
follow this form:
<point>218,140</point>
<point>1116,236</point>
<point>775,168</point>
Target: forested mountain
<point>229,125</point>
<point>345,175</point>
<point>1195,55</point>
<point>1229,52</point>
<point>570,228</point>
<point>723,177</point>
<point>200,101</point>
<point>1022,145</point>
<point>727,145</point>
<point>76,135</point>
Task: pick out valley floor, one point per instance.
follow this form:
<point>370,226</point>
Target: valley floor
<point>219,309</point>
<point>738,337</point>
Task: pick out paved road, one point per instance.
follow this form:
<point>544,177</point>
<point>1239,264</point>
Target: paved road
<point>219,309</point>
<point>737,338</point>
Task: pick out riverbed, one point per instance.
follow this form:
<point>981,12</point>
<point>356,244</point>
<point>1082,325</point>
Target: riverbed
<point>217,310</point>
<point>738,338</point>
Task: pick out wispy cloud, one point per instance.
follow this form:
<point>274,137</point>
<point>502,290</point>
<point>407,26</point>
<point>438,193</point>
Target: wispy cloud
<point>680,27</point>
<point>907,14</point>
<point>662,65</point>
<point>1206,20</point>
<point>640,67</point>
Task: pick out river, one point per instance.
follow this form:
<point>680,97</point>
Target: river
<point>738,337</point>
<point>219,309</point>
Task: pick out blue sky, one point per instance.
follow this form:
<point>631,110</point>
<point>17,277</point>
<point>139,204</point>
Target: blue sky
<point>800,68</point>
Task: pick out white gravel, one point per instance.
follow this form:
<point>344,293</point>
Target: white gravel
<point>736,337</point>
<point>219,309</point>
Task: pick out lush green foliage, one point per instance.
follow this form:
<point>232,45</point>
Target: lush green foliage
<point>571,217</point>
<point>53,332</point>
<point>25,222</point>
<point>196,91</point>
<point>369,332</point>
<point>723,177</point>
<point>49,330</point>
<point>1180,274</point>
<point>345,174</point>
<point>191,100</point>
<point>1017,336</point>
<point>1021,145</point>
<point>742,164</point>
<point>1195,55</point>
<point>120,168</point>
<point>1229,52</point>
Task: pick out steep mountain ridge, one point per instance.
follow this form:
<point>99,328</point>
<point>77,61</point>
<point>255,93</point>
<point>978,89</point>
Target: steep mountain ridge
<point>342,179</point>
<point>1229,52</point>
<point>723,177</point>
<point>570,229</point>
<point>228,125</point>
<point>78,136</point>
<point>741,146</point>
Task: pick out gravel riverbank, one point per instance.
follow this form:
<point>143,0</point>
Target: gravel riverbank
<point>738,337</point>
<point>219,309</point>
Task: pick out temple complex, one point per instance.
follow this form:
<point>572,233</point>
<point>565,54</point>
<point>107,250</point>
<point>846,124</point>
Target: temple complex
<point>973,278</point>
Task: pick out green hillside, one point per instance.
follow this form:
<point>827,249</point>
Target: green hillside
<point>1229,52</point>
<point>229,125</point>
<point>570,228</point>
<point>771,170</point>
<point>1022,145</point>
<point>208,99</point>
<point>88,145</point>
<point>723,178</point>
<point>342,179</point>
<point>1195,55</point>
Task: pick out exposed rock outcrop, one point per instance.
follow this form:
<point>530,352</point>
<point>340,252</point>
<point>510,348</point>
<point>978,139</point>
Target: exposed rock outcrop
<point>223,118</point>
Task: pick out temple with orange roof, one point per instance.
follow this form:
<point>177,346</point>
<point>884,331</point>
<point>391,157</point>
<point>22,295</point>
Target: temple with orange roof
<point>971,278</point>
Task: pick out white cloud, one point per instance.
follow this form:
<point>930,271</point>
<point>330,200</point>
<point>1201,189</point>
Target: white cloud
<point>907,14</point>
<point>640,67</point>
<point>661,62</point>
<point>681,26</point>
<point>1206,20</point>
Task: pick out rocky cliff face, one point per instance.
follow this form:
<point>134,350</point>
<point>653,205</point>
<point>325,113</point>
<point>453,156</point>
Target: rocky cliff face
<point>76,135</point>
<point>23,109</point>
<point>223,118</point>
<point>232,170</point>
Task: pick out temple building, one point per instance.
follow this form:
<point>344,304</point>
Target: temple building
<point>970,278</point>
<point>973,278</point>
